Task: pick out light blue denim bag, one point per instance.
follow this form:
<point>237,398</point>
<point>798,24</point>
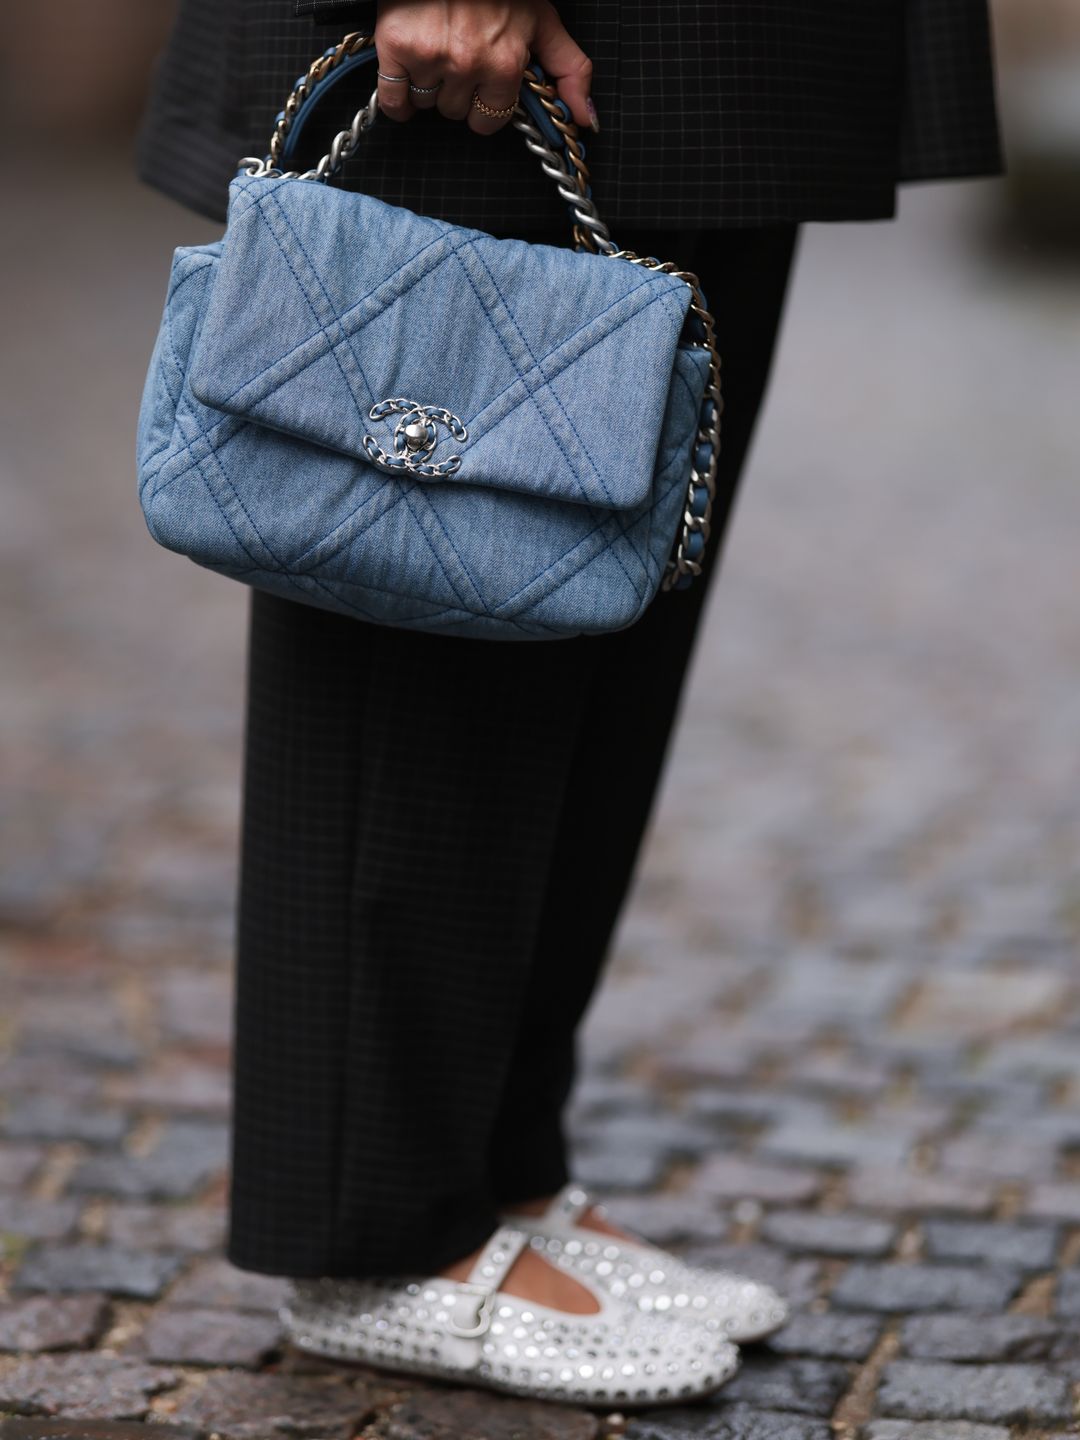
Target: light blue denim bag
<point>418,424</point>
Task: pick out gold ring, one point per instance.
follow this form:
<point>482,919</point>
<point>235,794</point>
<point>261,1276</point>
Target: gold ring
<point>490,109</point>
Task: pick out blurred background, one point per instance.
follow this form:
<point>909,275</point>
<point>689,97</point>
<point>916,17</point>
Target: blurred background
<point>865,864</point>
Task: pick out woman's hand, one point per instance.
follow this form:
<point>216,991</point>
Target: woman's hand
<point>457,49</point>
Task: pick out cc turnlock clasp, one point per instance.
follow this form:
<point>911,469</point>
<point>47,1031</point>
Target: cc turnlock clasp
<point>415,438</point>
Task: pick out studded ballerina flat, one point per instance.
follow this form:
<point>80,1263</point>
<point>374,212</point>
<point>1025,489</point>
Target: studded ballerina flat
<point>734,1306</point>
<point>472,1332</point>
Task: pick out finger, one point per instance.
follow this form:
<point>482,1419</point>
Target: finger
<point>497,88</point>
<point>567,64</point>
<point>455,94</point>
<point>394,80</point>
<point>491,109</point>
<point>426,81</point>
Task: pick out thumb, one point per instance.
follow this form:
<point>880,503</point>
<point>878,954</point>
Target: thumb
<point>567,65</point>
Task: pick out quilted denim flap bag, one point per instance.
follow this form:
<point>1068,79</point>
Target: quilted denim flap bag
<point>315,319</point>
<point>422,425</point>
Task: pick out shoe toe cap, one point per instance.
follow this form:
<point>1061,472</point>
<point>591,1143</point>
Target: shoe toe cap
<point>753,1310</point>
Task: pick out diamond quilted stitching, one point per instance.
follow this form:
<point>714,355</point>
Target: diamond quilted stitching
<point>326,320</point>
<point>534,371</point>
<point>535,366</point>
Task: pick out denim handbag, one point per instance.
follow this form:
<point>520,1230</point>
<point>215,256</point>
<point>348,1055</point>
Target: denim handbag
<point>418,424</point>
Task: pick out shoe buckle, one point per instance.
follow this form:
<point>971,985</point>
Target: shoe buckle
<point>483,1312</point>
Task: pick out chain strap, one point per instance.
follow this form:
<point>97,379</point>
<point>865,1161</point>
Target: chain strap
<point>590,234</point>
<point>686,559</point>
<point>344,144</point>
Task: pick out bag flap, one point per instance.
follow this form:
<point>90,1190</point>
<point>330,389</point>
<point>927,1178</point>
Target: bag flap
<point>556,363</point>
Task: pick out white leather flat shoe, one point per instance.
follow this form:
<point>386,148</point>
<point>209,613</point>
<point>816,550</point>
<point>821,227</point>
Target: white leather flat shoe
<point>472,1332</point>
<point>657,1282</point>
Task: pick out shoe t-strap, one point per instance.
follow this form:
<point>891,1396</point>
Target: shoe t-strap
<point>476,1295</point>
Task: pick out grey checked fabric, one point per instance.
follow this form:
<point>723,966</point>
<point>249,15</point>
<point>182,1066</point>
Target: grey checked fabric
<point>715,113</point>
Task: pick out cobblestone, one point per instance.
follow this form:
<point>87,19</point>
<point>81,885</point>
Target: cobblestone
<point>1053,1200</point>
<point>670,1219</point>
<point>137,1273</point>
<point>981,1337</point>
<point>1023,1157</point>
<point>839,1043</point>
<point>15,1429</point>
<point>1068,1294</point>
<point>175,1085</point>
<point>215,1282</point>
<point>56,1322</point>
<point>83,1387</point>
<point>188,1155</point>
<point>905,1191</point>
<point>836,991</point>
<point>37,1219</point>
<point>54,1117</point>
<point>895,1289</point>
<point>623,1169</point>
<point>844,1077</point>
<point>1028,1247</point>
<point>949,1430</point>
<point>837,1144</point>
<point>830,1234</point>
<point>165,1227</point>
<point>796,1384</point>
<point>1046,1058</point>
<point>11,1429</point>
<point>964,1004</point>
<point>450,1415</point>
<point>1002,1394</point>
<point>57,1076</point>
<point>237,1406</point>
<point>733,1177</point>
<point>66,1033</point>
<point>196,1006</point>
<point>18,1164</point>
<point>733,1422</point>
<point>833,1336</point>
<point>185,1336</point>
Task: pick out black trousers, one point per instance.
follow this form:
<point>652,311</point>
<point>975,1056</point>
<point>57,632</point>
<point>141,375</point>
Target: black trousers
<point>438,835</point>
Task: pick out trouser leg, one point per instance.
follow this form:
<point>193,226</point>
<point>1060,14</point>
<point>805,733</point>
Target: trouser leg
<point>635,681</point>
<point>401,799</point>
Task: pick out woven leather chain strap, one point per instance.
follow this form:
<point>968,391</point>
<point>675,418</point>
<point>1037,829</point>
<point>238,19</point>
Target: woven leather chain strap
<point>551,135</point>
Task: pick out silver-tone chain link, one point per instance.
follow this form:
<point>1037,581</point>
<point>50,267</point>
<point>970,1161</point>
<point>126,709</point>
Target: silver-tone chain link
<point>590,233</point>
<point>551,163</point>
<point>701,492</point>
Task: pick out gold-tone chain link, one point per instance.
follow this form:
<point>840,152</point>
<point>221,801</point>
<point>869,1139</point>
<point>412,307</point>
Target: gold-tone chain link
<point>317,72</point>
<point>548,96</point>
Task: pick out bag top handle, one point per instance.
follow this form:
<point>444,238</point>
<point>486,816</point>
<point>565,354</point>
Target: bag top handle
<point>542,117</point>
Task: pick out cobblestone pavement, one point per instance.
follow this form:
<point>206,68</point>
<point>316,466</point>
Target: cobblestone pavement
<point>840,1045</point>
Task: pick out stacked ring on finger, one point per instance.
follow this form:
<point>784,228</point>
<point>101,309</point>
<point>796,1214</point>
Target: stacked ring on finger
<point>495,113</point>
<point>393,79</point>
<point>425,89</point>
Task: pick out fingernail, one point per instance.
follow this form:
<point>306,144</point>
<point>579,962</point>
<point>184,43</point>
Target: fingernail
<point>594,119</point>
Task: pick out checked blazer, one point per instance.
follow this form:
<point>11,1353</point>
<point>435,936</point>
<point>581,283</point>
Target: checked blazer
<point>714,113</point>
